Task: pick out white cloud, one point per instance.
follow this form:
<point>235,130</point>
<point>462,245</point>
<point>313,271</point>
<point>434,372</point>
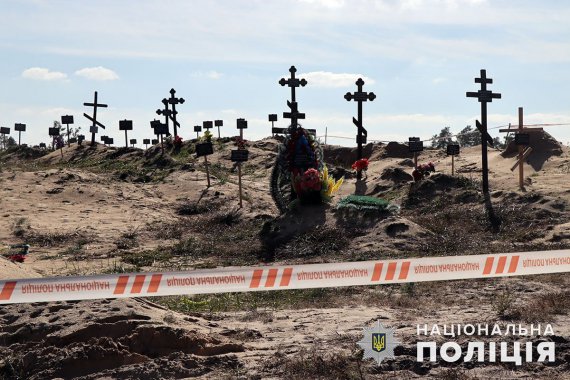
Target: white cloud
<point>438,80</point>
<point>329,80</point>
<point>97,73</point>
<point>333,4</point>
<point>40,73</point>
<point>212,74</point>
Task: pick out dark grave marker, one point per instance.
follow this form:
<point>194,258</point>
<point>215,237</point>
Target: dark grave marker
<point>218,124</point>
<point>293,83</point>
<point>160,129</point>
<point>93,129</point>
<point>484,96</point>
<point>239,155</point>
<point>126,125</point>
<point>204,149</point>
<point>167,113</point>
<point>197,129</point>
<point>67,119</point>
<point>54,131</point>
<point>43,145</point>
<point>133,142</point>
<point>20,128</point>
<point>93,118</point>
<point>452,150</point>
<point>415,146</point>
<point>110,141</point>
<point>207,125</point>
<point>173,101</point>
<point>273,119</point>
<point>72,140</point>
<point>360,96</point>
<point>80,139</point>
<point>154,141</point>
<point>278,131</point>
<point>146,142</point>
<point>241,125</point>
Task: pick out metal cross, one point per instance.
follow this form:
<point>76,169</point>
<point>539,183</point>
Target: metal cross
<point>95,105</point>
<point>359,97</point>
<point>484,96</point>
<point>167,113</point>
<point>293,82</point>
<point>174,101</point>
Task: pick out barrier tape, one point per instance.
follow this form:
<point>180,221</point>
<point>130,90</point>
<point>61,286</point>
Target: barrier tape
<point>248,279</point>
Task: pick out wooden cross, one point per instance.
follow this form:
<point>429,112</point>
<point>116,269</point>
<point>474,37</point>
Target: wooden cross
<point>523,153</point>
<point>241,125</point>
<point>167,113</point>
<point>173,101</point>
<point>293,83</point>
<point>484,96</point>
<point>95,105</point>
<point>359,97</point>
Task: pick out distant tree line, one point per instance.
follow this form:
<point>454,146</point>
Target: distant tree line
<point>468,136</point>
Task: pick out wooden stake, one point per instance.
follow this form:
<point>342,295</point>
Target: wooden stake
<point>521,149</point>
<point>162,144</point>
<point>415,160</point>
<point>525,155</point>
<point>452,165</point>
<point>239,174</point>
<point>207,170</point>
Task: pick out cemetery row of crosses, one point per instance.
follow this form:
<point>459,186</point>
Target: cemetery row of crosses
<point>299,172</point>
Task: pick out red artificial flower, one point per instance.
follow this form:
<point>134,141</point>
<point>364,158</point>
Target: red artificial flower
<point>361,164</point>
<point>311,180</point>
<point>178,141</point>
<point>17,258</point>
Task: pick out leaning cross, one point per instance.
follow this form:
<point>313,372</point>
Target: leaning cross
<point>95,105</point>
<point>521,139</point>
<point>484,96</point>
<point>167,113</point>
<point>359,97</point>
<point>293,82</point>
<point>173,101</point>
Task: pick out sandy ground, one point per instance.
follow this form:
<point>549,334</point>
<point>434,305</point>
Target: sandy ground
<point>56,203</point>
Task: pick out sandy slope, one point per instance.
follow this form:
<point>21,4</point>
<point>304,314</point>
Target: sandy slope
<point>59,204</point>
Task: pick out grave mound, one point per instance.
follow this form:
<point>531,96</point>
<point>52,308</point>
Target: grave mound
<point>396,175</point>
<point>397,150</point>
<point>18,153</point>
<point>543,147</point>
<point>439,184</point>
<point>345,156</point>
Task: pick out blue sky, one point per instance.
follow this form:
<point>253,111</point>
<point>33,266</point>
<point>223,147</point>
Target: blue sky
<point>225,58</point>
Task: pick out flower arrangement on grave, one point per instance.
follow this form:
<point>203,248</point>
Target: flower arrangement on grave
<point>177,143</point>
<point>360,165</point>
<point>240,143</point>
<point>206,136</point>
<point>423,171</point>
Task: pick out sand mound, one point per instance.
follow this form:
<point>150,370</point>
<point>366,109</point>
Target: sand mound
<point>396,175</point>
<point>344,156</point>
<point>543,145</point>
<point>397,150</point>
<point>10,270</point>
<point>439,184</point>
<point>108,338</point>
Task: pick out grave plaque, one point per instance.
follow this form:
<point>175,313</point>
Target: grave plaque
<point>125,125</point>
<point>360,139</point>
<point>204,149</point>
<point>67,119</point>
<point>452,149</point>
<point>239,155</point>
<point>197,128</point>
<point>273,117</point>
<point>207,124</point>
<point>104,139</point>
<point>73,140</point>
<point>279,131</point>
<point>160,128</point>
<point>20,127</point>
<point>522,139</point>
<point>93,129</point>
<point>416,146</point>
<point>43,145</point>
<point>81,138</point>
<point>219,123</point>
<point>54,131</point>
<point>110,141</point>
<point>4,131</point>
<point>154,141</point>
<point>146,141</point>
<point>241,124</point>
<point>133,141</point>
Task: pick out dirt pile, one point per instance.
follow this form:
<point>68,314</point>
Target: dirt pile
<point>114,338</point>
<point>344,156</point>
<point>543,147</point>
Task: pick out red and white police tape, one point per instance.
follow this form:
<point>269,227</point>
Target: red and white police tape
<point>247,279</point>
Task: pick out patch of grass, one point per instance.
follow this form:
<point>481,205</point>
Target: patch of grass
<point>20,227</point>
<point>128,240</point>
<point>193,208</point>
<point>315,363</point>
<point>229,218</point>
<point>221,172</point>
<point>544,307</point>
<point>321,241</point>
<point>146,258</point>
<point>503,303</point>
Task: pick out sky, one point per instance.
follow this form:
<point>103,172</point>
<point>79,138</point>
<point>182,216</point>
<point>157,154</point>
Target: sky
<point>225,58</point>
